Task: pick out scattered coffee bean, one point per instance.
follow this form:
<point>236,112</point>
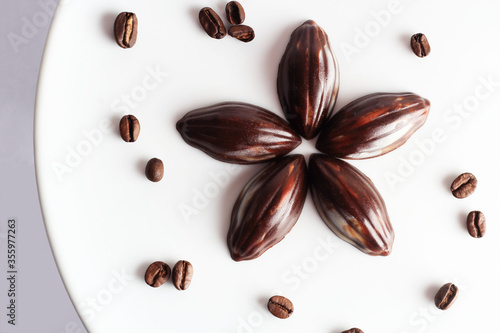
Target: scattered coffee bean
<point>157,274</point>
<point>476,224</point>
<point>154,170</point>
<point>280,307</point>
<point>420,45</point>
<point>242,32</point>
<point>182,274</point>
<point>235,12</point>
<point>212,23</point>
<point>129,128</point>
<point>126,29</point>
<point>446,296</point>
<point>353,330</point>
<point>464,185</point>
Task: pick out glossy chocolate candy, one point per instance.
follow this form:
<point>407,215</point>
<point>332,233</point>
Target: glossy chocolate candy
<point>350,205</point>
<point>373,125</point>
<point>308,79</point>
<point>268,207</point>
<point>238,133</point>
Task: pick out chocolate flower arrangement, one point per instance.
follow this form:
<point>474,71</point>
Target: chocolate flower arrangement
<point>271,202</point>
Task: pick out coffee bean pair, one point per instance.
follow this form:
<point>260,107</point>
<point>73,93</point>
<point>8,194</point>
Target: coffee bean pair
<point>159,272</point>
<point>282,307</point>
<point>462,187</point>
<point>214,27</point>
<point>129,131</point>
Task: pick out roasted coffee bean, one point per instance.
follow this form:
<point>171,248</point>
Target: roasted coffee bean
<point>280,307</point>
<point>129,128</point>
<point>446,296</point>
<point>235,12</point>
<point>238,133</point>
<point>373,125</point>
<point>464,185</point>
<point>154,170</point>
<point>350,205</point>
<point>353,330</point>
<point>476,224</point>
<point>126,29</point>
<point>267,208</point>
<point>212,23</point>
<point>182,274</point>
<point>157,274</point>
<point>308,79</point>
<point>242,32</point>
<point>420,45</point>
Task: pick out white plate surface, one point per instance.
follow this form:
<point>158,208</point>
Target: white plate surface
<point>107,222</point>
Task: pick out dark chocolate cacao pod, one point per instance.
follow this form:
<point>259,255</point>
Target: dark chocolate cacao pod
<point>308,79</point>
<point>268,207</point>
<point>238,133</point>
<point>373,125</point>
<point>350,205</point>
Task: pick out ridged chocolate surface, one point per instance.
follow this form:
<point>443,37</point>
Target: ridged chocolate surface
<point>308,79</point>
<point>373,125</point>
<point>268,207</point>
<point>238,133</point>
<point>350,205</point>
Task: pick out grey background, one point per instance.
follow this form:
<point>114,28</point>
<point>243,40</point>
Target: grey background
<point>42,302</point>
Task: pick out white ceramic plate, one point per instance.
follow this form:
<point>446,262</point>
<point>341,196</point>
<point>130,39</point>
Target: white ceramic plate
<point>107,222</point>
